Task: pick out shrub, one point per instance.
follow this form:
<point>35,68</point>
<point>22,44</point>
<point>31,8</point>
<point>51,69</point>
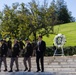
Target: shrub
<point>70,50</point>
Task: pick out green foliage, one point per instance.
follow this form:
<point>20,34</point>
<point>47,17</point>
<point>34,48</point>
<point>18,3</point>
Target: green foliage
<point>69,30</point>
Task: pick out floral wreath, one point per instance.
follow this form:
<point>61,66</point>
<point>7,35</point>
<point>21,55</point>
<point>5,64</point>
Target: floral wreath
<point>59,40</point>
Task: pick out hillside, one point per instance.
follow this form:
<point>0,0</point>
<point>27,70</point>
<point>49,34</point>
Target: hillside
<point>69,30</point>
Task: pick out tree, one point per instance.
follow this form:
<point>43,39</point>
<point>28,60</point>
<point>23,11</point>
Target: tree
<point>52,13</point>
<point>23,15</point>
<point>34,25</point>
<point>64,15</point>
<point>21,21</point>
<point>9,23</point>
<point>39,19</point>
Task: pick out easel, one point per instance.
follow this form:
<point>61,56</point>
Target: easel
<point>62,51</point>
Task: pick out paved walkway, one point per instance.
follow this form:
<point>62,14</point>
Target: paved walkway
<point>39,73</point>
<point>65,65</point>
<point>27,73</point>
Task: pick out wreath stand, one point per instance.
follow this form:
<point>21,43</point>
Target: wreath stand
<point>62,51</point>
<point>59,42</point>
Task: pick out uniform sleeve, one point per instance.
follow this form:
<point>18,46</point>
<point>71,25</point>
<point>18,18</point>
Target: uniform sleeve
<point>6,49</point>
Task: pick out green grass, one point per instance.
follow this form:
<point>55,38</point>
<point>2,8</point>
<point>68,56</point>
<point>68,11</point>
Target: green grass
<point>69,30</point>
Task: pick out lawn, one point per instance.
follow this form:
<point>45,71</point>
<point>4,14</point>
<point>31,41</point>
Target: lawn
<point>69,30</point>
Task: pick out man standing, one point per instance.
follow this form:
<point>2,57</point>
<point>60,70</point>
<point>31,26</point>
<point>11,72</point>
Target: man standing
<point>4,50</point>
<point>27,55</point>
<point>15,55</point>
<point>41,46</point>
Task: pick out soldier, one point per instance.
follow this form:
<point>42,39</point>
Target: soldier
<point>9,43</point>
<point>41,46</point>
<point>15,55</point>
<point>21,45</point>
<point>4,50</point>
<point>27,55</point>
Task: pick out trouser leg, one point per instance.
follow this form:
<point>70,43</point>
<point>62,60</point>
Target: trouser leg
<point>29,63</point>
<point>16,62</point>
<point>25,64</point>
<point>42,63</point>
<point>0,62</point>
<point>5,63</point>
<point>11,63</point>
<point>37,62</point>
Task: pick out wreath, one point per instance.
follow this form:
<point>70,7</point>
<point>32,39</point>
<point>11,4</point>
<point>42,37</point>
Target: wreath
<point>59,40</point>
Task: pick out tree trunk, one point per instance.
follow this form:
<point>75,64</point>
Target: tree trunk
<point>34,34</point>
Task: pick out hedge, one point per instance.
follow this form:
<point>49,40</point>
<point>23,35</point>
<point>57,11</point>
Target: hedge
<point>67,51</point>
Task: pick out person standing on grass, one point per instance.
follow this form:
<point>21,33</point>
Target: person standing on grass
<point>40,50</point>
<point>27,55</point>
<point>15,54</point>
<point>4,49</point>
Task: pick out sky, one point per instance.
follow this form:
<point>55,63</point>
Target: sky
<point>71,4</point>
